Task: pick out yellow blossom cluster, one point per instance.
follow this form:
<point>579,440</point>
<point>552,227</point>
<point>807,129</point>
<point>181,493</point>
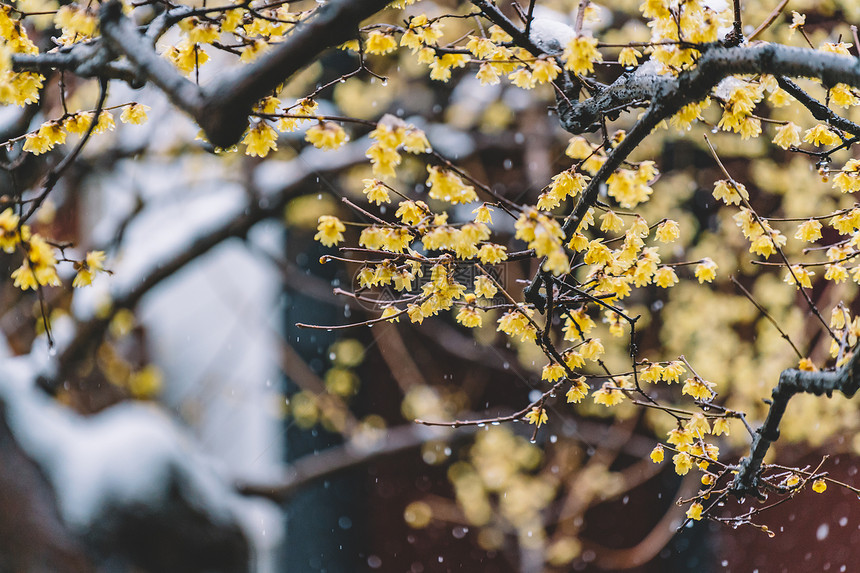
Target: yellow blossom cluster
<point>391,134</point>
<point>688,21</point>
<point>545,236</point>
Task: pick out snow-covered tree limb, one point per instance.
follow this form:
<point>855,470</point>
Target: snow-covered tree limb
<point>222,108</point>
<point>124,486</point>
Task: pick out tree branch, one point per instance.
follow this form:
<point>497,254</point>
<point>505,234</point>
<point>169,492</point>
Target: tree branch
<point>303,175</point>
<point>310,469</point>
<point>230,99</point>
<point>845,379</point>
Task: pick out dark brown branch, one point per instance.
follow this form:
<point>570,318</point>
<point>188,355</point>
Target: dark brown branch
<point>845,379</point>
<point>305,177</point>
<point>312,468</point>
<point>84,60</point>
<point>818,110</point>
<point>229,100</point>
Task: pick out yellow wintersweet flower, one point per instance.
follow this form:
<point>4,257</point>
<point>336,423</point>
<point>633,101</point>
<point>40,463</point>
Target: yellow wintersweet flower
<point>608,395</point>
<point>37,144</point>
<point>76,21</point>
<point>665,277</point>
<point>440,68</point>
<point>577,324</point>
<point>804,276</point>
<point>730,193</point>
<point>484,287</point>
<point>836,273</point>
<point>415,141</point>
<point>232,18</point>
<point>598,254</point>
<point>609,221</point>
<point>843,96</point>
<point>488,74</point>
<point>447,186</point>
<point>515,323</point>
<point>412,212</point>
<point>383,160</point>
<point>202,33</point>
<point>574,360</point>
<point>798,20</point>
<point>380,43</point>
<point>552,372</point>
<point>706,271</point>
<point>522,78</point>
<point>537,416</point>
<point>395,240</point>
<point>567,184</point>
<point>592,349</point>
<point>668,231</point>
<point>134,114</point>
<point>657,454</point>
<point>491,253</point>
<point>698,388</point>
<point>403,280</point>
<point>87,269</point>
<point>545,70</point>
<point>578,148</point>
<point>329,230</point>
<point>252,50</point>
<point>819,486</point>
<point>469,317</point>
<point>9,236</point>
<point>683,463</point>
<point>578,390</point>
<point>673,371</point>
<point>691,112</point>
<point>483,214</point>
<point>391,314</point>
<point>77,123</point>
<point>651,373</point>
<point>326,135</point>
<point>837,48</point>
<point>187,56</point>
<point>809,231</point>
<point>629,57</point>
<point>821,135</point>
<point>481,48</point>
<point>695,511</point>
<point>39,268</point>
<point>498,35</point>
<point>581,54</point>
<point>848,178</point>
<point>721,427</point>
<point>698,424</point>
<point>260,139</point>
<point>376,191</point>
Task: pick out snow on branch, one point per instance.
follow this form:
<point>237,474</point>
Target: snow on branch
<point>126,479</point>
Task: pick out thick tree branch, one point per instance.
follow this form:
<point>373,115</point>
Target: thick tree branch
<point>230,99</point>
<point>818,110</point>
<point>668,95</point>
<point>85,60</point>
<point>845,379</point>
<point>123,38</point>
<point>222,108</point>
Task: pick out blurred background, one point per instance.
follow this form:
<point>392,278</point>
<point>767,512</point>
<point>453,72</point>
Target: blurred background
<point>197,428</point>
